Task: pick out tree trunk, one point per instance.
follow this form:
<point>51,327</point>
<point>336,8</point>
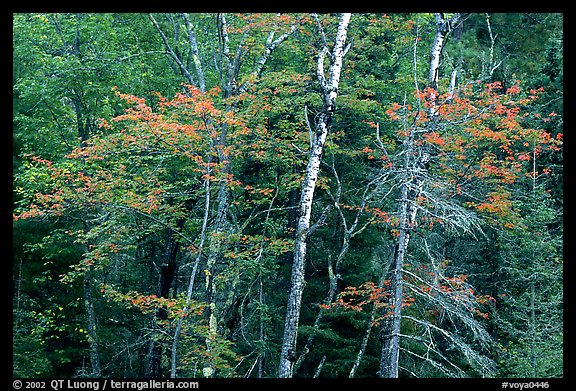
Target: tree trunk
<point>391,348</point>
<point>216,248</point>
<point>179,324</point>
<point>168,271</point>
<point>230,66</point>
<point>92,334</point>
<point>443,27</point>
<point>415,164</point>
<point>194,51</point>
<point>330,92</point>
<point>334,273</point>
<point>373,314</point>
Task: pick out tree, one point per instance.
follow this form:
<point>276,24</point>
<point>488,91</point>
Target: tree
<point>222,195</point>
<point>532,263</point>
<point>431,186</point>
<point>415,160</point>
<point>329,89</point>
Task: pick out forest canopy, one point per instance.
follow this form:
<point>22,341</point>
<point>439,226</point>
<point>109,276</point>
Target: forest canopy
<point>209,195</point>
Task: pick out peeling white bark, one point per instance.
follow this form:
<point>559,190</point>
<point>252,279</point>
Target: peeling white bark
<point>443,27</point>
<point>329,88</point>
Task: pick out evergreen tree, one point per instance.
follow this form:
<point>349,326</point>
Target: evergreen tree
<point>287,195</point>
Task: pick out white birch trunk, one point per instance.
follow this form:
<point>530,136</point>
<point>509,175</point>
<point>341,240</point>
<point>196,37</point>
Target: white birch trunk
<point>443,27</point>
<point>173,54</point>
<point>330,92</point>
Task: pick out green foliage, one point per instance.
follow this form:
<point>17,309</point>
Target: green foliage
<point>126,179</point>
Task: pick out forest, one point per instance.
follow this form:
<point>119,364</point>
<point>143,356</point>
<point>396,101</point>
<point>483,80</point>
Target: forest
<point>287,195</point>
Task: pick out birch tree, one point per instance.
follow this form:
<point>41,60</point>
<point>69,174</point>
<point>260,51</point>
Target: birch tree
<point>232,66</point>
<point>285,214</point>
<point>329,90</point>
<point>424,176</point>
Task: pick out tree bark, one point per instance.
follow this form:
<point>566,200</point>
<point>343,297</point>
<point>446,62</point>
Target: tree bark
<point>415,164</point>
<point>171,51</point>
<point>407,213</point>
<point>372,318</point>
<point>179,324</point>
<point>443,27</point>
<point>194,52</point>
<point>216,244</point>
<point>92,333</point>
<point>334,273</point>
<point>330,92</point>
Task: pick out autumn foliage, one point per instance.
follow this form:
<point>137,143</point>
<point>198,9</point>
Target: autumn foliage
<point>158,222</point>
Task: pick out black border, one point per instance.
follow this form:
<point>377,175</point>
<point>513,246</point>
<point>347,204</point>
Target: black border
<point>356,6</point>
